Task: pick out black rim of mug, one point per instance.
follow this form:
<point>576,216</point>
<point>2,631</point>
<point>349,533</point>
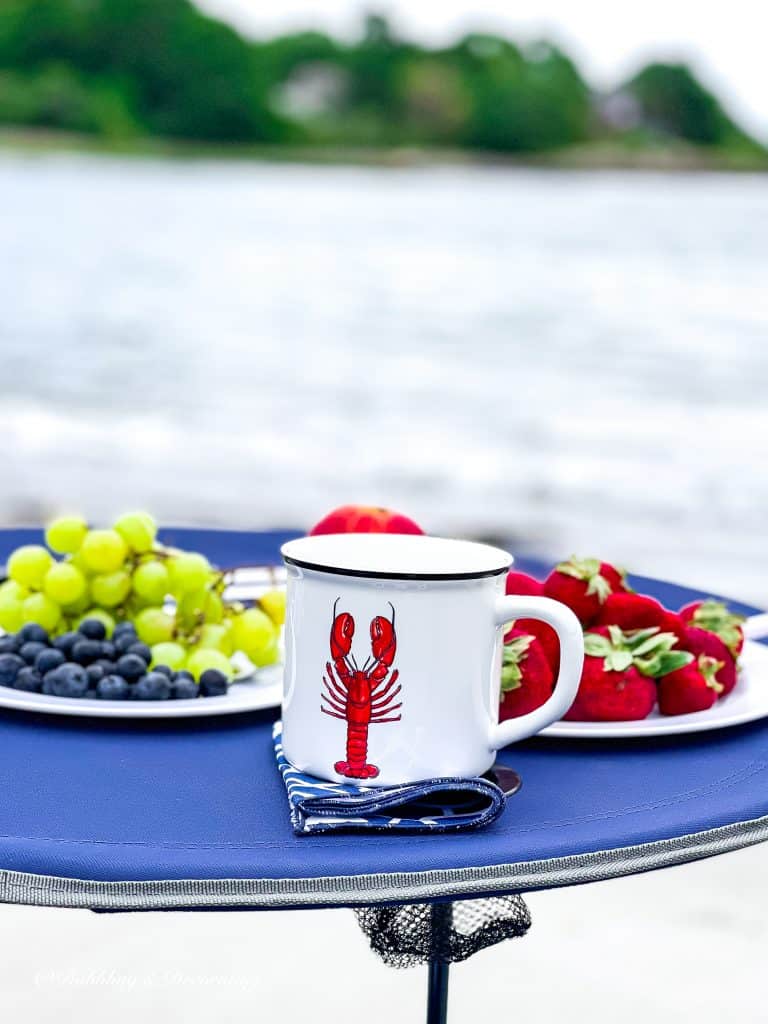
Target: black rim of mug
<point>371,575</point>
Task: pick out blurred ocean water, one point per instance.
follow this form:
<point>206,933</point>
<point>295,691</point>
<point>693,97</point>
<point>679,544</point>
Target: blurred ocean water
<point>565,361</point>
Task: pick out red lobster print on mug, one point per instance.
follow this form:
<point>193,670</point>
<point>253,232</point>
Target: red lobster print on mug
<point>361,696</point>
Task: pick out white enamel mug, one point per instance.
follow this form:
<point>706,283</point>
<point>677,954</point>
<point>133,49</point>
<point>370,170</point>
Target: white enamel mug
<point>393,657</point>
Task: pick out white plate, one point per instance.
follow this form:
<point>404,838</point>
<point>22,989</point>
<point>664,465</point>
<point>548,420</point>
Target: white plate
<point>252,689</point>
<point>747,702</point>
<point>264,689</point>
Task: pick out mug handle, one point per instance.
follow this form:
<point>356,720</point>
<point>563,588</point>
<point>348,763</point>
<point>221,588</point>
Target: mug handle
<point>571,637</point>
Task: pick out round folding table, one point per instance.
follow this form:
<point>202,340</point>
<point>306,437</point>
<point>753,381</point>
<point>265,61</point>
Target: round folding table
<point>159,814</point>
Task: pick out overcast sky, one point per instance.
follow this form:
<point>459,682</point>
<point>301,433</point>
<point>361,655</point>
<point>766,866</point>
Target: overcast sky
<point>726,43</point>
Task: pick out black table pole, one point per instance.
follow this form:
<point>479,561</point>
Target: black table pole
<point>437,991</point>
<point>437,995</point>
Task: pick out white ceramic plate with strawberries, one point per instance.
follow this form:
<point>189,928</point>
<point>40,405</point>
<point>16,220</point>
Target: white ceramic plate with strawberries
<point>747,702</point>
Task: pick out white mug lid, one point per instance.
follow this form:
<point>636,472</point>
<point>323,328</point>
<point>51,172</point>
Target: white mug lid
<point>396,556</point>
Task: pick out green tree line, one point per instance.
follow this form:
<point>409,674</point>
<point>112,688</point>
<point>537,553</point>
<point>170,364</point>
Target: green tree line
<point>124,68</point>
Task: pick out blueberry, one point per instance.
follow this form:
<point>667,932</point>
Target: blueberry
<point>48,680</point>
<point>31,631</point>
<point>113,688</point>
<point>68,681</point>
<point>152,686</point>
<point>141,650</point>
<point>108,666</point>
<point>184,689</point>
<point>10,666</point>
<point>93,629</point>
<point>30,650</point>
<point>108,650</point>
<point>212,683</point>
<point>66,642</point>
<point>86,651</point>
<point>48,659</point>
<point>9,644</point>
<point>95,673</point>
<point>130,667</point>
<point>183,674</point>
<point>123,627</point>
<point>124,641</point>
<point>164,670</point>
<point>28,679</point>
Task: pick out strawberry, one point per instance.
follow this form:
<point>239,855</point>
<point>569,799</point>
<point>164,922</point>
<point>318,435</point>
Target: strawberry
<point>611,696</point>
<point>584,584</point>
<point>526,677</point>
<point>694,687</point>
<point>702,643</point>
<point>523,584</point>
<point>672,623</point>
<point>617,679</point>
<point>638,611</point>
<point>715,617</point>
<point>546,636</point>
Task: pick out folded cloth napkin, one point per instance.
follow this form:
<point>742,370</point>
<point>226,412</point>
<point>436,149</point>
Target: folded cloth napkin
<point>434,805</point>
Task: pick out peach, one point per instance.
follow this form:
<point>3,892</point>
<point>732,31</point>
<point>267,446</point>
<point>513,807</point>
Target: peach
<point>364,519</point>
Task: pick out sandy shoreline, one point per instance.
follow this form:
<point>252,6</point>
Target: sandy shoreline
<point>673,158</point>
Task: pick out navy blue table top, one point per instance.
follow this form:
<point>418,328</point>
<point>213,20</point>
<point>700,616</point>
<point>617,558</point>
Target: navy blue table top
<point>135,815</point>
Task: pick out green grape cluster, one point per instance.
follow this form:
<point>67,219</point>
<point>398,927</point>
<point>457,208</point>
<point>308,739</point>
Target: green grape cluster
<point>174,598</point>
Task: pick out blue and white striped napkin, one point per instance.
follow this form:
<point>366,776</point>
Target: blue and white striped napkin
<point>435,805</point>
